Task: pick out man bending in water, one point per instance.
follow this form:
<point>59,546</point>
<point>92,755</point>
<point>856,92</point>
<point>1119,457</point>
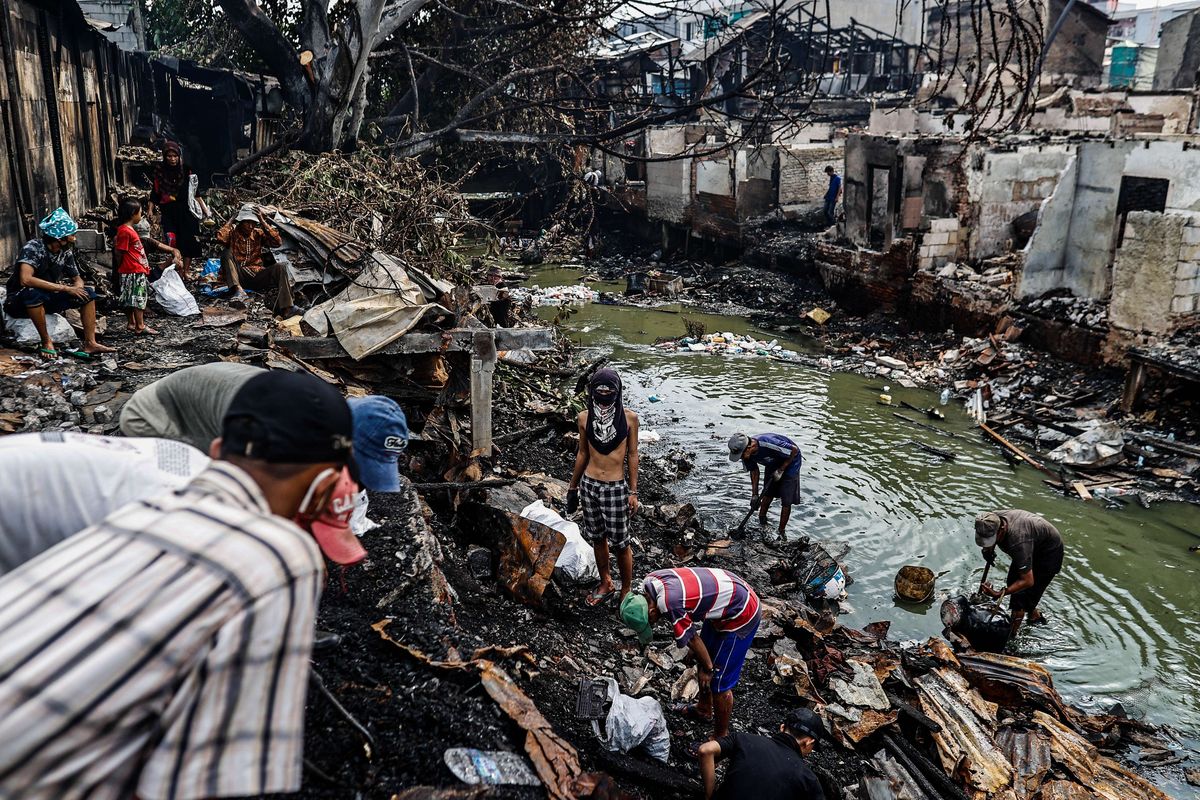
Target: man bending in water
<point>607,435</point>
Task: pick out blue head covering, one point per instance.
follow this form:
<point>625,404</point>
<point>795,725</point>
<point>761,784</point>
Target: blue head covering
<point>59,224</point>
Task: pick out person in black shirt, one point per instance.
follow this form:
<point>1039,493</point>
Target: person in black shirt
<point>1036,548</point>
<point>765,767</point>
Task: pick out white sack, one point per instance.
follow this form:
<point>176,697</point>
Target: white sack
<point>577,560</point>
<point>633,722</point>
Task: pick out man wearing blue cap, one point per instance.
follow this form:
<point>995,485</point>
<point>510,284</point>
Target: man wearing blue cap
<point>380,436</point>
<point>46,280</point>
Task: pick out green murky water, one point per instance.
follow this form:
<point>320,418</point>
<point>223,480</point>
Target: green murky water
<point>1125,612</point>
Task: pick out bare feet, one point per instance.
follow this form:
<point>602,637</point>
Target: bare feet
<point>600,594</point>
<point>95,348</point>
<point>146,329</point>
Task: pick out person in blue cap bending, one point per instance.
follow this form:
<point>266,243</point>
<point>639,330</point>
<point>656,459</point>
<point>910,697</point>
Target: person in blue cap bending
<point>380,437</point>
<point>46,280</point>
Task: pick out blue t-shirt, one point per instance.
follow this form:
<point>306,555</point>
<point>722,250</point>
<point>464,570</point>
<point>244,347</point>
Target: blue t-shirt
<point>835,184</point>
<point>774,449</point>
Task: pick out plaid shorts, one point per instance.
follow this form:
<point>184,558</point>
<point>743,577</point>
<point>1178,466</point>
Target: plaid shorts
<point>605,511</point>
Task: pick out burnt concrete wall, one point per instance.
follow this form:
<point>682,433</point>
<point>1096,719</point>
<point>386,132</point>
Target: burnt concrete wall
<point>1008,185</point>
<point>1178,53</point>
<point>1144,272</point>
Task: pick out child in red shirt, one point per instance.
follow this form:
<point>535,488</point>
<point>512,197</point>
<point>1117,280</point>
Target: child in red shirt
<point>133,268</point>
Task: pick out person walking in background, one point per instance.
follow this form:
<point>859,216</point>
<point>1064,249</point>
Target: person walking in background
<point>133,269</point>
<point>172,190</point>
<point>832,194</point>
<point>37,286</point>
<point>608,436</point>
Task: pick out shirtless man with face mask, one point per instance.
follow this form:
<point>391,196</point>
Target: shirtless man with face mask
<point>608,437</point>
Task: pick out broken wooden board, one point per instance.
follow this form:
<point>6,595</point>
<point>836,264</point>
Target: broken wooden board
<point>966,746</point>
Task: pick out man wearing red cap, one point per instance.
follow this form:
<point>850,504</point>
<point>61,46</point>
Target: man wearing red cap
<point>164,652</point>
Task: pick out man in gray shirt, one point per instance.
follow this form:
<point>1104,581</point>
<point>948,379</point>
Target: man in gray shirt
<point>1036,549</point>
<point>187,405</point>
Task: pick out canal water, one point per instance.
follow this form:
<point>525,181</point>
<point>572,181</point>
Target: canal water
<point>1124,613</point>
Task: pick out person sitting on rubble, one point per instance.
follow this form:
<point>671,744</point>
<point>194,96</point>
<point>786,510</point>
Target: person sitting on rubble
<point>37,288</point>
<point>1036,549</point>
<point>189,406</point>
<point>766,767</point>
<point>608,437</point>
<point>165,651</point>
<point>243,261</point>
<point>729,609</point>
<point>780,459</point>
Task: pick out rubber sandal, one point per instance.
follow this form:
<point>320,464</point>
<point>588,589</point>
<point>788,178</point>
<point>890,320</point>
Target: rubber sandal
<point>689,710</point>
<point>48,354</point>
<point>593,600</point>
<point>82,355</point>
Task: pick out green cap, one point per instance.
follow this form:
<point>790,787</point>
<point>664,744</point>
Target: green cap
<point>635,611</point>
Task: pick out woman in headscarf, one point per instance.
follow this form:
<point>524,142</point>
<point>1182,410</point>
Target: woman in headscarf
<point>170,193</point>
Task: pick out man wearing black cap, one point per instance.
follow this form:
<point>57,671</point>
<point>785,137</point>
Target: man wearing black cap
<point>765,767</point>
<point>164,652</point>
<point>1036,549</point>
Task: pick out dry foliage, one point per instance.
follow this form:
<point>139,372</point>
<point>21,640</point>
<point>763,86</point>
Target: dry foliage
<point>395,204</point>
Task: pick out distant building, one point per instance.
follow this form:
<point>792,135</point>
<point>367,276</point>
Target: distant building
<point>119,20</point>
<point>1178,52</point>
<point>1076,56</point>
<point>1144,25</point>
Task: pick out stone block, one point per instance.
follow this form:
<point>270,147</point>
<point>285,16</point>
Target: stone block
<point>943,250</point>
<point>936,238</point>
<point>1186,270</point>
<point>1184,304</point>
<point>1187,286</point>
<point>1191,235</point>
<point>1189,252</point>
<point>943,225</point>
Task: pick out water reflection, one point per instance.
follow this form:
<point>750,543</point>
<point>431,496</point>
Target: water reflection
<point>1123,613</point>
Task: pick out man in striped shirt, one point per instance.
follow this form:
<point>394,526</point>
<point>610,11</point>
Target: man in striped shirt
<point>728,609</point>
<point>164,652</point>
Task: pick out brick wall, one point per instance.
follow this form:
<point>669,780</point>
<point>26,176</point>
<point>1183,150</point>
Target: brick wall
<point>940,246</point>
<point>802,178</point>
<point>1186,299</point>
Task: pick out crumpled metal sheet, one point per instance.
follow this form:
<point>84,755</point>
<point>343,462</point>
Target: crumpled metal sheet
<point>862,690</point>
<point>527,559</point>
<point>1029,753</point>
<point>965,743</point>
<point>1103,776</point>
<point>1013,682</point>
<point>893,783</point>
<point>871,722</point>
<point>1064,790</point>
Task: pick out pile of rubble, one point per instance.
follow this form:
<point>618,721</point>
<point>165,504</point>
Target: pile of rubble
<point>1091,314</point>
<point>730,344</point>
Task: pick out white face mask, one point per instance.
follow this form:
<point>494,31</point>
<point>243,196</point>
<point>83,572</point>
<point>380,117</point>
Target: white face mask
<point>312,490</point>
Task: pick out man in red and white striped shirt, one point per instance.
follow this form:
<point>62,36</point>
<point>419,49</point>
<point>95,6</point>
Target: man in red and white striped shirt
<point>729,611</point>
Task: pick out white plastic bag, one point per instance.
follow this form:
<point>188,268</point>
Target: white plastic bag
<point>577,559</point>
<point>173,296</point>
<point>633,722</point>
<point>194,204</point>
<point>57,326</point>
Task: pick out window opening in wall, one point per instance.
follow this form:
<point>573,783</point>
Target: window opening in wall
<point>879,211</point>
<point>1139,194</point>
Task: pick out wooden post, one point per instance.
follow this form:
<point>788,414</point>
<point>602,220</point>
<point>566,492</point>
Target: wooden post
<point>1133,385</point>
<point>483,365</point>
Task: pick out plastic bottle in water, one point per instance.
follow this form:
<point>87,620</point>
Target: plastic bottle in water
<point>945,396</point>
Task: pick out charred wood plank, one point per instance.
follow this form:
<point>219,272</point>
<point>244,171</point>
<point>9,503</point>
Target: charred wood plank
<point>457,340</point>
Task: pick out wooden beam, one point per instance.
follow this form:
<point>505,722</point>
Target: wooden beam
<point>1133,385</point>
<point>459,340</point>
<point>483,366</point>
